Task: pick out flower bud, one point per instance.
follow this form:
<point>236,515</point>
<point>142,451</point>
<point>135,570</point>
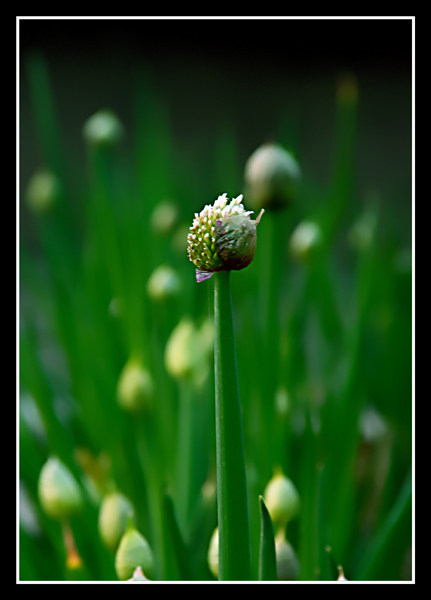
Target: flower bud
<point>103,129</point>
<point>43,192</point>
<point>114,513</point>
<point>212,556</point>
<point>222,238</point>
<point>306,238</point>
<point>163,283</point>
<point>133,551</point>
<point>281,499</point>
<point>271,177</point>
<point>188,350</point>
<point>59,493</point>
<point>164,217</point>
<point>287,561</point>
<point>135,387</point>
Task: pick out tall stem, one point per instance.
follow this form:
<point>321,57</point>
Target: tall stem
<point>234,541</point>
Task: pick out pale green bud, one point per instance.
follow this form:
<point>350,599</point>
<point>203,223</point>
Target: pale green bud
<point>114,513</point>
<point>59,493</point>
<point>135,387</point>
<point>133,551</point>
<point>282,500</point>
<point>188,350</point>
<point>222,238</point>
<point>163,283</point>
<point>212,555</point>
<point>103,129</point>
<point>306,239</point>
<point>164,217</point>
<point>271,177</point>
<point>287,561</point>
<point>43,192</point>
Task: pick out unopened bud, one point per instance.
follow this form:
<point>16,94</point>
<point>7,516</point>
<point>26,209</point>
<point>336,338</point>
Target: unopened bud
<point>163,283</point>
<point>212,556</point>
<point>305,240</point>
<point>164,217</point>
<point>281,499</point>
<point>103,129</point>
<point>59,493</point>
<point>135,387</point>
<point>114,513</point>
<point>287,561</point>
<point>133,551</point>
<point>271,177</point>
<point>43,192</point>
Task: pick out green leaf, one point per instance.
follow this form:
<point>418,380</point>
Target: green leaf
<point>267,559</point>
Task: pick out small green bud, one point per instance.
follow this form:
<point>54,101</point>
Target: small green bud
<point>59,493</point>
<point>306,239</point>
<point>188,350</point>
<point>133,551</point>
<point>103,129</point>
<point>212,556</point>
<point>287,561</point>
<point>135,387</point>
<point>282,500</point>
<point>222,238</point>
<point>271,177</point>
<point>163,283</point>
<point>114,513</point>
<point>164,217</point>
<point>43,192</point>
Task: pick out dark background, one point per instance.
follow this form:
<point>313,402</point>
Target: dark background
<point>263,76</point>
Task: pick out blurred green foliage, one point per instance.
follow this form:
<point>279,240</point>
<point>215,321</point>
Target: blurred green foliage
<point>323,338</point>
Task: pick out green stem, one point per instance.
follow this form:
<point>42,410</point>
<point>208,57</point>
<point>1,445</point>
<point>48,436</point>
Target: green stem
<point>234,541</point>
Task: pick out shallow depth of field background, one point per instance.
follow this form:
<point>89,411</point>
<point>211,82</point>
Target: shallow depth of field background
<point>196,98</point>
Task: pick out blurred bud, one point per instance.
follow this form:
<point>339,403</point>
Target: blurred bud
<point>287,561</point>
<point>114,513</point>
<point>164,217</point>
<point>305,240</point>
<point>135,387</point>
<point>222,238</point>
<point>59,493</point>
<point>282,499</point>
<point>271,178</point>
<point>43,192</point>
<point>188,350</point>
<point>103,129</point>
<point>362,233</point>
<point>212,556</point>
<point>341,574</point>
<point>163,283</point>
<point>282,401</point>
<point>133,551</point>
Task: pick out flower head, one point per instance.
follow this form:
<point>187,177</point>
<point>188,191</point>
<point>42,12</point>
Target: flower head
<point>222,237</point>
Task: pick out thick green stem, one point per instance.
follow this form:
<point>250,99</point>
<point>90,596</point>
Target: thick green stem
<point>234,541</point>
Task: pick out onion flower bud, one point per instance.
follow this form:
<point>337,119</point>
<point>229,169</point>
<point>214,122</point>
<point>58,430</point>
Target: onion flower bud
<point>133,551</point>
<point>271,177</point>
<point>103,129</point>
<point>114,513</point>
<point>222,238</point>
<point>281,499</point>
<point>306,239</point>
<point>287,561</point>
<point>59,493</point>
<point>164,282</point>
<point>135,387</point>
<point>212,555</point>
<point>43,192</point>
